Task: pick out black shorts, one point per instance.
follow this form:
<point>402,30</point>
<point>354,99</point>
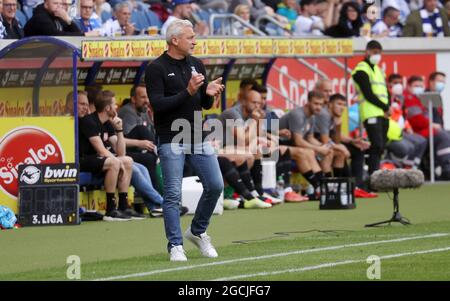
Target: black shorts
<point>286,142</point>
<point>92,163</point>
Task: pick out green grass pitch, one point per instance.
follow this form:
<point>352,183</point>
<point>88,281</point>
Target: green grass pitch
<point>287,242</point>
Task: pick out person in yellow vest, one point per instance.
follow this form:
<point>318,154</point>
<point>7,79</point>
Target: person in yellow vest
<point>370,84</point>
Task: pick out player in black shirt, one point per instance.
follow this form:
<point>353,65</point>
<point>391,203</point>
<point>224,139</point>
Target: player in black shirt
<point>102,149</point>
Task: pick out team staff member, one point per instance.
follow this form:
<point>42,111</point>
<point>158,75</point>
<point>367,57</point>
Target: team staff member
<point>372,91</point>
<point>178,90</point>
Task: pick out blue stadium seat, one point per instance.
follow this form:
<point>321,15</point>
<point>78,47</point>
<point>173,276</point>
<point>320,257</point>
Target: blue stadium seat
<point>28,11</point>
<point>21,17</point>
<point>152,18</point>
<point>105,16</point>
<point>87,178</point>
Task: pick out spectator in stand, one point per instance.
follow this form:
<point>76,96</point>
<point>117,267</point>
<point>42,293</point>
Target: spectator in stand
<point>447,9</point>
<point>2,27</point>
<point>289,10</point>
<point>12,26</point>
<point>273,4</point>
<point>349,24</point>
<point>103,9</point>
<point>183,10</point>
<point>436,83</point>
<point>237,29</point>
<point>430,21</point>
<point>120,24</point>
<point>400,5</point>
<point>389,26</point>
<point>257,9</point>
<point>217,5</point>
<point>308,23</point>
<point>51,19</point>
<point>89,21</point>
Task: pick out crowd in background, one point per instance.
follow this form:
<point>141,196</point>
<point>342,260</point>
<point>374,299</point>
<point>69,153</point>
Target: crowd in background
<point>334,18</point>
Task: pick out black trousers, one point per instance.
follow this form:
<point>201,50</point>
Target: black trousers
<point>357,164</point>
<point>146,158</point>
<point>376,128</point>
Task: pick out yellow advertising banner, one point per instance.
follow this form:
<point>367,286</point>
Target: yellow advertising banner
<point>315,47</point>
<point>250,47</point>
<point>215,47</point>
<point>300,47</point>
<point>201,48</point>
<point>233,47</point>
<point>218,48</point>
<point>331,46</point>
<point>32,140</point>
<point>346,47</point>
<point>159,46</point>
<point>266,47</point>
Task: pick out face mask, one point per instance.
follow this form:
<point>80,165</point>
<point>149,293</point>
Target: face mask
<point>440,86</point>
<point>375,59</point>
<point>397,89</point>
<point>418,90</point>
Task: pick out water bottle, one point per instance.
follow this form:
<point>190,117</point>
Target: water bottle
<point>344,196</point>
<point>280,187</point>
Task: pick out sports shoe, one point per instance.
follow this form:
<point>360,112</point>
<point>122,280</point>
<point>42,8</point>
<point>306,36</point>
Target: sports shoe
<point>183,210</point>
<point>255,204</point>
<point>133,214</point>
<point>116,216</point>
<point>229,204</point>
<point>275,201</point>
<point>177,254</point>
<point>361,193</point>
<point>203,242</point>
<point>294,197</point>
<point>156,212</point>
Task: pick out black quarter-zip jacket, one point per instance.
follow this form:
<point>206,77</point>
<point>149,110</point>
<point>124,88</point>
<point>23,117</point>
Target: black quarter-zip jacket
<point>167,80</point>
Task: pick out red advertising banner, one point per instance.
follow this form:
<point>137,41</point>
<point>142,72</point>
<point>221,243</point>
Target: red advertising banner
<point>291,79</point>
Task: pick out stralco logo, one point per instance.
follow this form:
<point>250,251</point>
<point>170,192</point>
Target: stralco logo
<point>30,175</point>
<point>25,145</point>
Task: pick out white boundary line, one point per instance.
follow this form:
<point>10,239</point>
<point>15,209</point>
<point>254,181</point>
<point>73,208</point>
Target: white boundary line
<point>329,265</point>
<point>305,251</point>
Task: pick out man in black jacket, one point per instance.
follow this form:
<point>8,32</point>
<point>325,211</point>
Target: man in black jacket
<point>178,90</point>
<point>12,26</point>
<point>51,19</point>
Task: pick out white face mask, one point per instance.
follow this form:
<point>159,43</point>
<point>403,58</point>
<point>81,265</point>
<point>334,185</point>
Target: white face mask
<point>397,89</point>
<point>375,59</point>
<point>440,86</point>
<point>418,90</point>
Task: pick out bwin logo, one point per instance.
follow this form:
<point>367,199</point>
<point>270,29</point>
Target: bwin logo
<point>60,172</point>
<point>30,175</point>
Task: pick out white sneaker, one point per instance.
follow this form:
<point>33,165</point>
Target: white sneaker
<point>274,200</point>
<point>203,242</point>
<point>177,254</point>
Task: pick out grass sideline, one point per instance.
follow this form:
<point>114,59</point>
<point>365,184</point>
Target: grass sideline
<point>109,249</point>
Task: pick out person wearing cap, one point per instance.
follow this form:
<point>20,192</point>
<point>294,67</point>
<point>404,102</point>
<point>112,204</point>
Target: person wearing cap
<point>178,90</point>
<point>372,91</point>
<point>182,9</point>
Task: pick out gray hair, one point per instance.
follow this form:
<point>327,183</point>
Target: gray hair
<point>121,5</point>
<point>320,82</point>
<point>175,28</point>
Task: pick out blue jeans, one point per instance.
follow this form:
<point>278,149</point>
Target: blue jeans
<point>140,179</point>
<point>206,167</point>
